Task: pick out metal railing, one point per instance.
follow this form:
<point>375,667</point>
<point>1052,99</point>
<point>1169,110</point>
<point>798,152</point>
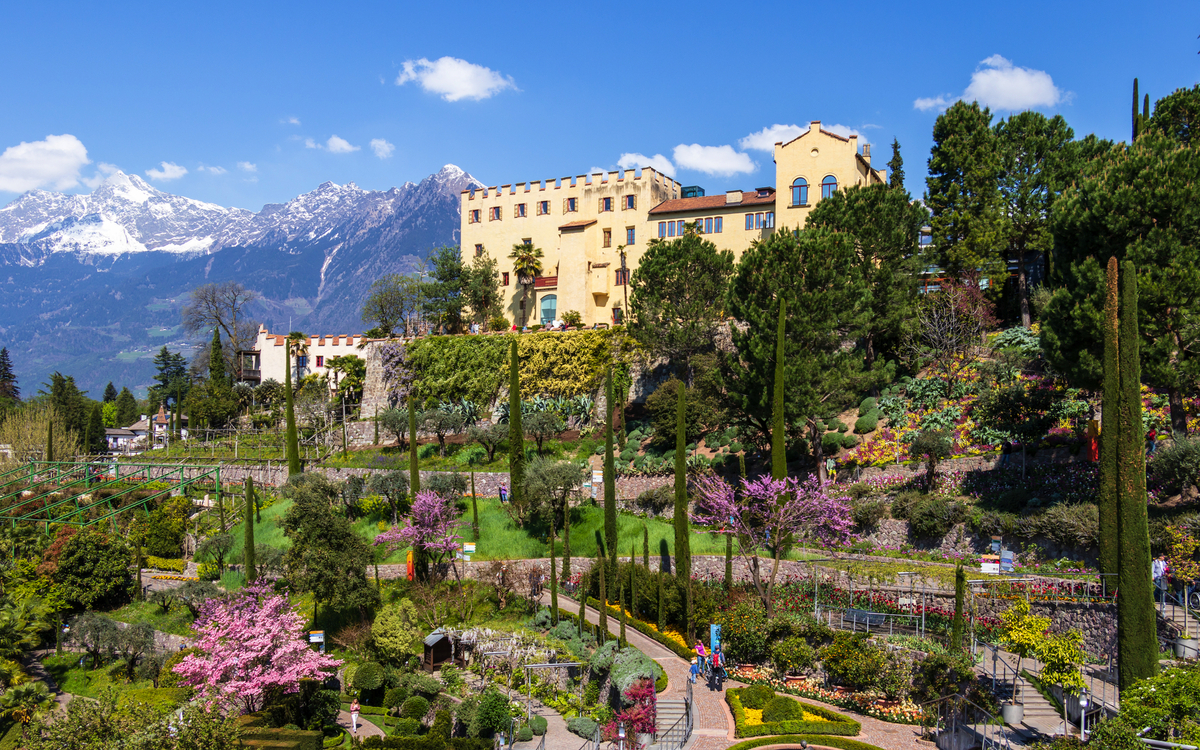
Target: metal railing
<point>854,619</point>
<point>1101,679</point>
<point>958,716</point>
<point>678,734</point>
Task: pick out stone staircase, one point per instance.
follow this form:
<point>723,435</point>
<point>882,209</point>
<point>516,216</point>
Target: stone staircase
<point>668,727</point>
<point>1177,617</point>
<point>1041,716</point>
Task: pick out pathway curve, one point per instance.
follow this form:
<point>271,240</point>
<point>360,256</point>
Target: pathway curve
<point>713,727</point>
<point>365,728</point>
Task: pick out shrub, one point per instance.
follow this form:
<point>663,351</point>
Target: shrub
<point>394,697</point>
<point>756,696</point>
<point>538,724</point>
<point>368,676</point>
<point>735,447</point>
<point>541,620</point>
<point>1177,466</point>
<point>867,513</point>
<point>939,675</point>
<point>631,665</point>
<point>933,517</point>
<point>414,708</point>
<point>781,708</point>
<point>429,450</point>
<point>896,679</point>
<point>208,571</point>
<point>166,674</point>
<point>564,631</point>
<point>627,455</point>
<point>524,734</point>
<point>656,500</point>
<point>163,563</point>
<point>582,726</point>
<point>868,422</point>
<point>407,728</point>
<point>602,658</point>
<point>867,405</point>
<point>792,655</point>
<point>662,405</point>
<point>853,661</point>
<point>744,632</point>
<point>904,501</point>
<point>424,684</point>
<point>572,318</point>
<point>836,425</point>
<point>591,693</point>
<point>847,440</point>
<point>831,442</point>
<point>493,714</point>
<point>498,323</point>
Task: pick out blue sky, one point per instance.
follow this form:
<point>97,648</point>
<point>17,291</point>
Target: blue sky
<point>254,102</point>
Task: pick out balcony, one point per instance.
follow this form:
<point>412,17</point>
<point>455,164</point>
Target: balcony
<point>545,282</point>
<point>249,375</point>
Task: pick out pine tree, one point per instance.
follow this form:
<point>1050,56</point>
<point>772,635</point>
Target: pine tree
<point>110,390</point>
<point>896,167</point>
<point>1137,640</point>
<point>248,542</point>
<point>516,433</point>
<point>127,408</point>
<point>610,483</point>
<point>553,578</point>
<point>9,391</point>
<point>960,593</point>
<point>289,411</point>
<point>778,439</point>
<point>1110,428</point>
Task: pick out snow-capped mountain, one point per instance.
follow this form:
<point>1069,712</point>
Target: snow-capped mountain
<point>92,279</point>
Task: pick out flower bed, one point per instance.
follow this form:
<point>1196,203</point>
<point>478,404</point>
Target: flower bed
<point>816,720</point>
<point>862,703</point>
<point>174,578</point>
<point>844,743</point>
<point>672,639</point>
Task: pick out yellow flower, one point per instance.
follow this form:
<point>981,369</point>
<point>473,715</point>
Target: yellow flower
<point>753,716</point>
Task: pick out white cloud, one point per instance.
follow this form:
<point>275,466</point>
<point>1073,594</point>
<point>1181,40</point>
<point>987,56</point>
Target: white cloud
<point>310,143</point>
<point>291,121</point>
<point>382,148</point>
<point>339,145</point>
<point>716,160</point>
<point>54,163</point>
<point>169,171</point>
<point>454,79</point>
<point>658,162</point>
<point>246,166</point>
<point>211,170</point>
<point>999,84</point>
<point>103,170</point>
<point>765,139</point>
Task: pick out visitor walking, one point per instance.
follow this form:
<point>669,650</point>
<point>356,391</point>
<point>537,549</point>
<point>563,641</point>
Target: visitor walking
<point>718,667</point>
<point>1151,441</point>
<point>503,493</point>
<point>701,654</point>
<point>1006,453</point>
<point>694,672</point>
<point>1158,571</point>
<point>354,717</point>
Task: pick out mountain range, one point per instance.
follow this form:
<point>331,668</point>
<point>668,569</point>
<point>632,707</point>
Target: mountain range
<point>92,285</point>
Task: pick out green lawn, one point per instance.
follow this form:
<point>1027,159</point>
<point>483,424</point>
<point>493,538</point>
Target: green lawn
<point>78,680</point>
<point>177,621</point>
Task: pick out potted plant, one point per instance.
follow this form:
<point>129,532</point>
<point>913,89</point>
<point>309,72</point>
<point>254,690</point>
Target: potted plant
<point>1021,632</point>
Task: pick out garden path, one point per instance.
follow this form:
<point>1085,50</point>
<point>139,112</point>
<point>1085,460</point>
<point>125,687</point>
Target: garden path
<point>713,727</point>
<point>365,728</point>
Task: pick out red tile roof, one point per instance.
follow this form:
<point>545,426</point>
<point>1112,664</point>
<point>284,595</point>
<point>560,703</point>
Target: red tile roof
<point>712,202</point>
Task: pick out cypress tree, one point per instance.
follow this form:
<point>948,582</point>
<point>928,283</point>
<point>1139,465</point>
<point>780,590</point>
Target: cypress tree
<point>50,437</point>
<point>960,592</point>
<point>603,626</point>
<point>896,167</point>
<point>474,509</point>
<point>621,606</point>
<point>646,547</point>
<point>1135,110</point>
<point>289,411</point>
<point>582,615</point>
<point>662,602</point>
<point>248,522</point>
<point>778,442</point>
<point>683,553</point>
<point>96,442</point>
<point>610,484</point>
<point>1137,641</point>
<point>632,580</point>
<point>553,580</point>
<point>216,362</point>
<point>566,565</point>
<point>414,466</point>
<point>376,442</point>
<point>516,433</point>
<point>1110,429</point>
<point>345,444</point>
<point>1146,111</point>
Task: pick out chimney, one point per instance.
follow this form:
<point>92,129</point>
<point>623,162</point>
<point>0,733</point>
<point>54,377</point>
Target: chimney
<point>867,151</point>
<point>733,196</point>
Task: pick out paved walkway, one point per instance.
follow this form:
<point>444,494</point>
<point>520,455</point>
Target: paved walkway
<point>365,727</point>
<point>713,727</point>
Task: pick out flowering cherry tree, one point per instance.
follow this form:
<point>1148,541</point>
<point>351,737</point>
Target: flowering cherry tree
<point>432,525</point>
<point>772,515</point>
<point>250,646</point>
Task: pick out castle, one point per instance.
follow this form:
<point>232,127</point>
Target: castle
<point>594,229</point>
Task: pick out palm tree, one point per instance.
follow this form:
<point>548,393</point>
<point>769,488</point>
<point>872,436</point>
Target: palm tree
<point>297,344</point>
<point>25,702</point>
<point>527,263</point>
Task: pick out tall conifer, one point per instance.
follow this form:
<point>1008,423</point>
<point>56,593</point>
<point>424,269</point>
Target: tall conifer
<point>1110,428</point>
<point>553,578</point>
<point>516,432</point>
<point>896,167</point>
<point>610,483</point>
<point>603,627</point>
<point>683,551</point>
<point>289,412</point>
<point>778,439</point>
<point>248,541</point>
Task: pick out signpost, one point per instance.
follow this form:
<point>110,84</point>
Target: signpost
<point>317,636</point>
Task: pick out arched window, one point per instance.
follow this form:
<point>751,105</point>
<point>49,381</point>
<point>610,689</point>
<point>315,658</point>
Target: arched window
<point>799,191</point>
<point>828,186</point>
<point>549,309</point>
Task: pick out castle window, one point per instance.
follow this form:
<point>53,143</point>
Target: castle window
<point>494,213</point>
<point>717,222</point>
<point>662,229</point>
<point>478,250</point>
<point>622,277</point>
<point>519,211</point>
<point>630,202</point>
<point>607,238</point>
<point>828,186</point>
<point>473,216</point>
<point>670,229</point>
<point>320,361</point>
<point>630,235</point>
<point>506,278</point>
<point>708,226</point>
<point>606,204</point>
<point>543,208</point>
<point>749,222</point>
<point>572,205</point>
<point>800,192</point>
<point>679,227</point>
<point>769,220</point>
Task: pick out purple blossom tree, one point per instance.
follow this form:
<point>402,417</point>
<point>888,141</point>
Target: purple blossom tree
<point>397,371</point>
<point>250,646</point>
<point>432,525</point>
<point>772,516</point>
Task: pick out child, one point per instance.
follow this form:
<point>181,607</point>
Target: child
<point>694,672</point>
<point>503,493</point>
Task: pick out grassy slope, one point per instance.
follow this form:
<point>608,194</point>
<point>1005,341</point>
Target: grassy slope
<point>177,621</point>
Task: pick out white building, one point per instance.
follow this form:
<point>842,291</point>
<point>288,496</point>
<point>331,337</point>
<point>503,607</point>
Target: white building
<point>268,359</point>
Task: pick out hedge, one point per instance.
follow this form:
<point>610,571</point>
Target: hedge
<point>430,742</point>
<point>837,724</point>
<point>646,630</point>
<point>844,743</point>
<point>254,734</point>
<point>165,563</point>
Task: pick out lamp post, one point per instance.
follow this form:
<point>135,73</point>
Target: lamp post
<point>1083,704</point>
<point>621,735</point>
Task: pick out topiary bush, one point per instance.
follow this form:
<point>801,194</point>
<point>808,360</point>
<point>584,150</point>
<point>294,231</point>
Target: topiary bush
<point>407,728</point>
<point>792,655</point>
<point>414,708</point>
<point>756,696</point>
<point>853,661</point>
<point>424,684</point>
<point>868,422</point>
<point>394,697</point>
<point>866,405</point>
<point>524,734</point>
<point>781,708</point>
<point>582,726</point>
<point>368,676</point>
<point>538,724</point>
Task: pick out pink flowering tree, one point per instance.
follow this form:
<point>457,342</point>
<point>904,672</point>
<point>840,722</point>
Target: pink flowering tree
<point>432,525</point>
<point>251,647</point>
<point>772,516</point>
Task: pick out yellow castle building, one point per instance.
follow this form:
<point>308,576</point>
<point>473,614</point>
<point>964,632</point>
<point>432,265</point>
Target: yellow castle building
<point>593,229</point>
